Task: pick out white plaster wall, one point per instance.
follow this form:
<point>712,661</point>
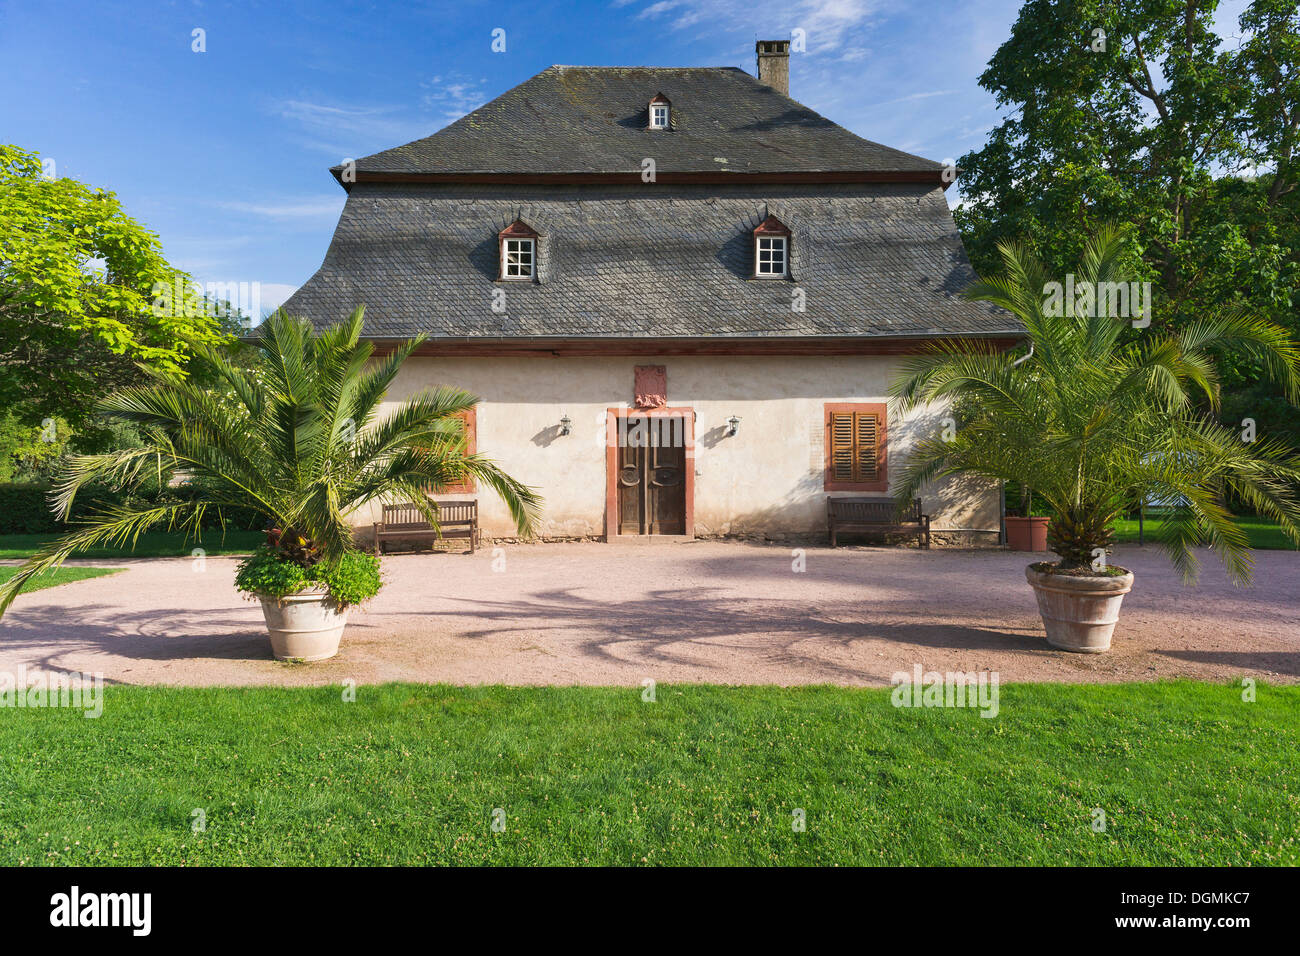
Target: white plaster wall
<point>768,478</point>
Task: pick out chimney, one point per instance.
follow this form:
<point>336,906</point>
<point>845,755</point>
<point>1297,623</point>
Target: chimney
<point>774,64</point>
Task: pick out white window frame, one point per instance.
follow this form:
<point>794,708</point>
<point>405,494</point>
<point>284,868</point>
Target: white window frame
<point>510,270</point>
<point>778,249</point>
<point>659,121</point>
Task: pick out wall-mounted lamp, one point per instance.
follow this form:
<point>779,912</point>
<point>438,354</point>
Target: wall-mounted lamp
<point>566,425</point>
<point>733,424</point>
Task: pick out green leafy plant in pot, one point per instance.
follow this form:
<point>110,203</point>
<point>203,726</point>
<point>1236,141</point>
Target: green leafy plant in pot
<point>1094,419</point>
<point>298,438</point>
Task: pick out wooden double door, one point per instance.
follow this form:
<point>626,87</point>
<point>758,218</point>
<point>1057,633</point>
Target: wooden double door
<point>651,476</point>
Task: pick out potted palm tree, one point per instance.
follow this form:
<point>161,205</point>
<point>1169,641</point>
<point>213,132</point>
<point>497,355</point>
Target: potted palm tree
<point>296,437</point>
<point>1093,420</point>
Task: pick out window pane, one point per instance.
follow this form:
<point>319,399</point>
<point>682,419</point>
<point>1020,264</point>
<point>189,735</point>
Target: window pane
<point>518,258</point>
<point>771,256</point>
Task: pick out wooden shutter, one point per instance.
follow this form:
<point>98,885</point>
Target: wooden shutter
<point>842,452</point>
<point>471,445</point>
<point>866,432</point>
<point>855,447</point>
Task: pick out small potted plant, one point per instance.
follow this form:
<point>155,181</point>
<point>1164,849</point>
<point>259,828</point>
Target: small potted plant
<point>1093,418</point>
<point>305,601</point>
<point>1026,531</point>
<point>297,439</point>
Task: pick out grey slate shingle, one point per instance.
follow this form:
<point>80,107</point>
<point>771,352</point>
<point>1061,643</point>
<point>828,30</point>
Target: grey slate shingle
<point>647,261</point>
<point>650,259</point>
<point>580,119</point>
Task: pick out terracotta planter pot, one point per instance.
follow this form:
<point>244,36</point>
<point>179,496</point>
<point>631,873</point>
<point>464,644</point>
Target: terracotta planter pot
<point>1027,534</point>
<point>1079,612</point>
<point>305,626</point>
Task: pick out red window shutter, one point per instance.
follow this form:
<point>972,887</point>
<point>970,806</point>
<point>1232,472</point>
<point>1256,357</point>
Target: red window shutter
<point>842,456</point>
<point>865,447</point>
<point>855,447</point>
<point>470,419</point>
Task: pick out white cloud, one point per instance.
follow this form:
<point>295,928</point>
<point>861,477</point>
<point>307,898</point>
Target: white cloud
<point>274,295</point>
<point>345,131</point>
<point>454,94</point>
<point>829,25</point>
<point>655,9</point>
<point>326,206</point>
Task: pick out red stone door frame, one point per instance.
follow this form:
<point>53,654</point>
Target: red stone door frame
<point>612,415</point>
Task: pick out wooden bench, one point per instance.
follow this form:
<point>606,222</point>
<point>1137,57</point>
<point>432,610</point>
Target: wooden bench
<point>876,515</point>
<point>405,522</point>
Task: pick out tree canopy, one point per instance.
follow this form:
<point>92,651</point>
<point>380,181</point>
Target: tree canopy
<point>1136,112</point>
<point>77,294</point>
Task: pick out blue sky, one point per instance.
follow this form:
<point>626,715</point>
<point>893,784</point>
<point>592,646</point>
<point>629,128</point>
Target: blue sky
<point>225,153</point>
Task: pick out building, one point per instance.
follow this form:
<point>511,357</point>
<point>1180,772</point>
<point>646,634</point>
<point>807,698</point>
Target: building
<point>679,293</point>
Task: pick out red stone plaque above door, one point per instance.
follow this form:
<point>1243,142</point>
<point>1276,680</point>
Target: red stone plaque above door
<point>650,389</point>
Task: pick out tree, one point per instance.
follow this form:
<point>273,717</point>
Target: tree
<point>1093,423</point>
<point>1134,112</point>
<point>78,281</point>
<point>28,451</point>
<point>302,445</point>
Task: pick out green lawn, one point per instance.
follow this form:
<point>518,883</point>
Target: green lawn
<point>1186,773</point>
<point>52,579</point>
<point>154,544</point>
<point>1261,533</point>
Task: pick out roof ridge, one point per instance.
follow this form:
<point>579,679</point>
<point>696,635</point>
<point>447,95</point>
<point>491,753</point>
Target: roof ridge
<point>584,66</point>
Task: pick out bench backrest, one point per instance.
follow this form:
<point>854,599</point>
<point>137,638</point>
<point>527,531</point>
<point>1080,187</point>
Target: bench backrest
<point>406,515</point>
<point>873,510</point>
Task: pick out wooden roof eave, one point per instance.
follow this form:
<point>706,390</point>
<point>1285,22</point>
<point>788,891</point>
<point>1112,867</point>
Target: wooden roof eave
<point>932,177</point>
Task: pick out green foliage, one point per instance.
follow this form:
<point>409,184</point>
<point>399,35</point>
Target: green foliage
<point>708,776</point>
<point>28,451</point>
<point>77,286</point>
<point>1192,142</point>
<point>150,544</point>
<point>25,507</point>
<point>352,580</point>
<point>298,440</point>
<point>1262,535</point>
<point>1093,423</point>
<point>265,572</point>
<point>58,576</point>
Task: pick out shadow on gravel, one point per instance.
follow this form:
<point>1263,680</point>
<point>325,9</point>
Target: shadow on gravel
<point>159,635</point>
<point>1279,662</point>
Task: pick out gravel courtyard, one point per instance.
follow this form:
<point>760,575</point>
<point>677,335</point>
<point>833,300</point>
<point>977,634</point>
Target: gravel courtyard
<point>699,611</point>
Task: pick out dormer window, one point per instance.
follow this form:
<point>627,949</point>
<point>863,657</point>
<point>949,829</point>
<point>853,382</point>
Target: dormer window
<point>518,252</point>
<point>771,249</point>
<point>660,112</point>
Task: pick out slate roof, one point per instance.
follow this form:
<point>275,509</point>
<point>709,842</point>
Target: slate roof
<point>625,259</point>
<point>581,119</point>
<point>650,261</point>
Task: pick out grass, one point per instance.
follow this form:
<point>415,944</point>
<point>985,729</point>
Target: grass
<point>1185,772</point>
<point>56,576</point>
<point>152,544</point>
<point>1262,533</point>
